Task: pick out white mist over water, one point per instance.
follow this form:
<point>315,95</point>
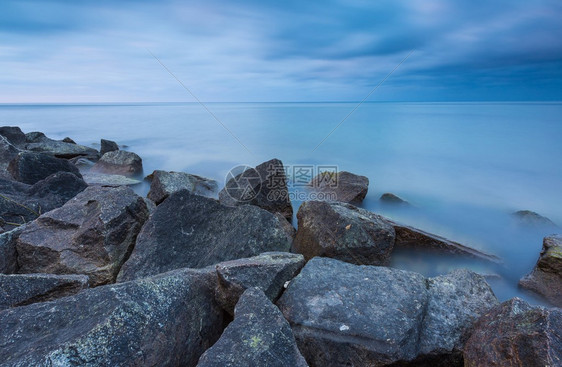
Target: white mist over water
<point>464,166</point>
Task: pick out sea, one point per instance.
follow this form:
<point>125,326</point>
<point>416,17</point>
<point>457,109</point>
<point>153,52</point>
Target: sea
<point>465,168</point>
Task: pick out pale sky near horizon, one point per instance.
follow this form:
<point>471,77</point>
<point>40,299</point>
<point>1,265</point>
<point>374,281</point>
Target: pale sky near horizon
<point>332,50</point>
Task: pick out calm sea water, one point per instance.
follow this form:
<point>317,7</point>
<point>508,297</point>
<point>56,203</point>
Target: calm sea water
<point>465,167</point>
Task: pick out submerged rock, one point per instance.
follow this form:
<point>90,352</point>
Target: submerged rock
<point>390,198</point>
<point>529,217</point>
<point>119,162</point>
<point>108,146</point>
<point>258,336</point>
<point>165,183</point>
<point>341,186</point>
<point>30,167</point>
<point>546,277</point>
<point>189,230</point>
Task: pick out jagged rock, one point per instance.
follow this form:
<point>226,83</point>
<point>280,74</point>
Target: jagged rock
<point>258,336</point>
<point>68,140</point>
<point>165,183</point>
<point>30,167</point>
<point>24,289</point>
<point>91,234</point>
<point>268,272</point>
<point>390,198</point>
<point>166,320</point>
<point>38,142</point>
<point>341,186</point>
<point>119,162</point>
<point>516,334</point>
<point>7,153</point>
<point>529,217</point>
<point>103,179</point>
<point>108,146</point>
<point>189,230</point>
<point>264,186</point>
<point>14,135</point>
<point>546,277</point>
<point>8,253</point>
<point>343,231</point>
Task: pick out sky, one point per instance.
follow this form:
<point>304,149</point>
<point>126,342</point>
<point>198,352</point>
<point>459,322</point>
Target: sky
<point>280,51</point>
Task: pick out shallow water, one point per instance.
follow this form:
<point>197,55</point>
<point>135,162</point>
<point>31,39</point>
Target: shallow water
<point>465,167</point>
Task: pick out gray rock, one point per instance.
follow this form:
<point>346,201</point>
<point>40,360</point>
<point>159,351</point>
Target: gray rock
<point>30,167</point>
<point>189,230</point>
<point>38,142</point>
<point>546,277</point>
<point>165,183</point>
<point>68,140</point>
<point>516,334</point>
<point>343,231</point>
<point>91,234</point>
<point>108,146</point>
<point>390,198</point>
<point>25,289</point>
<point>8,253</point>
<point>268,272</point>
<point>267,184</point>
<point>341,186</point>
<point>119,162</point>
<point>530,218</point>
<point>258,336</point>
<point>7,153</point>
<point>167,320</point>
<point>14,135</point>
<point>103,179</point>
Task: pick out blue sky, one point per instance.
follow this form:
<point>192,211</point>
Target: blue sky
<point>329,50</point>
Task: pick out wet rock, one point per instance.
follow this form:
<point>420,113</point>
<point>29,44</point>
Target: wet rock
<point>91,234</point>
<point>30,167</point>
<point>38,142</point>
<point>341,186</point>
<point>343,231</point>
<point>68,140</point>
<point>546,277</point>
<point>108,146</point>
<point>103,179</point>
<point>390,198</point>
<point>531,218</point>
<point>119,162</point>
<point>258,336</point>
<point>7,153</point>
<point>14,135</point>
<point>167,320</point>
<point>516,334</point>
<point>268,272</point>
<point>25,289</point>
<point>265,186</point>
<point>8,253</point>
<point>165,183</point>
<point>189,230</point>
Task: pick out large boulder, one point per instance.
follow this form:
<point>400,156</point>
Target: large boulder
<point>258,336</point>
<point>8,253</point>
<point>119,162</point>
<point>7,153</point>
<point>163,183</point>
<point>546,277</point>
<point>108,146</point>
<point>91,234</point>
<point>343,231</point>
<point>38,142</point>
<point>31,167</point>
<point>516,334</point>
<point>269,272</point>
<point>189,230</point>
<point>24,289</point>
<point>341,186</point>
<point>167,320</point>
<point>14,135</point>
<point>264,186</point>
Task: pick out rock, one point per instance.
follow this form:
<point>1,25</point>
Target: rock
<point>531,218</point>
<point>8,253</point>
<point>341,186</point>
<point>30,167</point>
<point>516,334</point>
<point>14,135</point>
<point>189,230</point>
<point>390,198</point>
<point>546,277</point>
<point>267,184</point>
<point>83,163</point>
<point>268,272</point>
<point>103,179</point>
<point>165,183</point>
<point>119,162</point>
<point>24,289</point>
<point>343,231</point>
<point>7,153</point>
<point>55,190</point>
<point>108,146</point>
<point>38,142</point>
<point>167,320</point>
<point>91,234</point>
<point>258,336</point>
<point>68,140</point>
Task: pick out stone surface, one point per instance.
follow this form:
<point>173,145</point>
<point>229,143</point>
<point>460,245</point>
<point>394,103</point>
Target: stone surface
<point>103,179</point>
<point>531,218</point>
<point>268,272</point>
<point>268,184</point>
<point>516,334</point>
<point>119,162</point>
<point>31,167</point>
<point>108,146</point>
<point>189,230</point>
<point>167,320</point>
<point>546,277</point>
<point>163,183</point>
<point>38,142</point>
<point>341,186</point>
<point>91,234</point>
<point>68,140</point>
<point>24,289</point>
<point>14,135</point>
<point>8,253</point>
<point>7,153</point>
<point>343,231</point>
<point>390,198</point>
<point>258,336</point>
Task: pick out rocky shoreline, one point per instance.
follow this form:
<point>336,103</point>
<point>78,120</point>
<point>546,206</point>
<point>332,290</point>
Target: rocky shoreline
<point>92,274</point>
